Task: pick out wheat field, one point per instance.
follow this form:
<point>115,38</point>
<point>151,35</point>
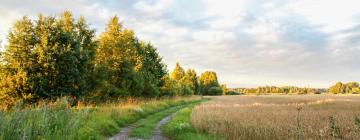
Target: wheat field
<point>279,117</point>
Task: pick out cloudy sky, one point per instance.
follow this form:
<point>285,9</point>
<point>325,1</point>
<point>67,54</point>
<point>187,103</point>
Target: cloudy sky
<point>311,43</point>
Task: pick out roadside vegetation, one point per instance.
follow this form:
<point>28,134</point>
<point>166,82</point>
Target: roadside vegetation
<point>58,121</point>
<point>144,129</point>
<point>181,128</point>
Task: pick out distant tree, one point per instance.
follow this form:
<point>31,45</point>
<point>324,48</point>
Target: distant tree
<point>356,90</point>
<point>350,86</point>
<point>224,89</point>
<point>207,80</point>
<point>215,91</point>
<point>232,93</point>
<point>191,81</point>
<point>340,88</point>
<point>337,88</point>
<point>178,73</point>
<point>170,87</point>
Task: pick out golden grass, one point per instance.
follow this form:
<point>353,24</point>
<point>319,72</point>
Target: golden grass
<point>279,117</point>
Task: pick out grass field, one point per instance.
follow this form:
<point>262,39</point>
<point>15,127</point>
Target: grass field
<point>58,121</point>
<point>279,117</point>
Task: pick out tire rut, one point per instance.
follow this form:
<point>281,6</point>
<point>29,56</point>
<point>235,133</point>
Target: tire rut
<point>124,133</point>
<point>157,134</point>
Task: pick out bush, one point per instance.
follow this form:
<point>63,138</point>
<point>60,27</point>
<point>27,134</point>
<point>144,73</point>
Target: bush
<point>232,93</point>
<point>215,91</point>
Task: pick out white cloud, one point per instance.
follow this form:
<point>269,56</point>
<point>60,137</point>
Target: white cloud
<point>333,15</point>
<point>153,7</point>
<point>248,42</point>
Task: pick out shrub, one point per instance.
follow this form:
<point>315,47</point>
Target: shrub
<point>232,93</point>
<point>215,91</point>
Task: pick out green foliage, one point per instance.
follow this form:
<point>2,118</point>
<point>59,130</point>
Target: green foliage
<point>334,129</point>
<point>357,121</point>
<point>53,57</point>
<point>48,57</point>
<point>170,87</point>
<point>215,91</point>
<point>58,121</point>
<point>232,93</point>
<point>152,70</point>
<point>191,81</point>
<point>209,84</point>
<point>181,83</point>
<point>125,65</point>
<point>116,57</point>
<point>224,89</point>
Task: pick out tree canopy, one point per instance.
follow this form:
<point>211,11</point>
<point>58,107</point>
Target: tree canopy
<point>48,57</point>
<point>209,84</point>
<point>341,88</point>
<point>52,57</point>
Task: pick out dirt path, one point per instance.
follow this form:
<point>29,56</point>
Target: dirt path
<point>124,133</point>
<point>157,135</point>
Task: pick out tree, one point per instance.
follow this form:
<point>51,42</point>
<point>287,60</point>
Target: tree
<point>350,86</point>
<point>191,81</point>
<point>170,87</point>
<point>151,68</point>
<point>116,57</point>
<point>337,88</point>
<point>178,73</point>
<point>17,61</point>
<point>224,89</point>
<point>51,57</point>
<point>215,91</point>
<point>186,82</point>
<point>48,58</point>
<point>207,80</point>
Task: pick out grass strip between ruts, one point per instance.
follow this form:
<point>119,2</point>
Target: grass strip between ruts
<point>180,128</point>
<point>144,128</point>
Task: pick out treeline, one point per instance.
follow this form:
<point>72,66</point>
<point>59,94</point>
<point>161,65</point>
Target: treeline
<point>338,88</point>
<point>274,89</point>
<point>345,88</point>
<point>181,82</point>
<point>52,57</point>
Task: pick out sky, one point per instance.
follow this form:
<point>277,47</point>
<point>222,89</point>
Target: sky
<point>249,43</point>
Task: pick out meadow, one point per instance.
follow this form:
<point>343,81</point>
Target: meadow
<point>58,120</point>
<point>279,117</point>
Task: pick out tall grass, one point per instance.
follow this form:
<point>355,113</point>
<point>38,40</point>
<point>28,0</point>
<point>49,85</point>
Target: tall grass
<point>57,120</point>
<point>280,117</point>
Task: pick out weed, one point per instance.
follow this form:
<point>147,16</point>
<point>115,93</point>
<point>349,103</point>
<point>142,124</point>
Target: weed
<point>334,129</point>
